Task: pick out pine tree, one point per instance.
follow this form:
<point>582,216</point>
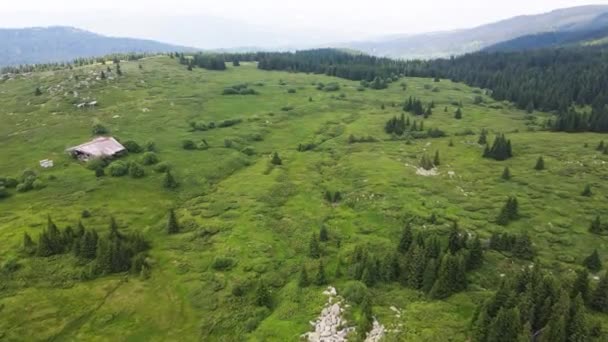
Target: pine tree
<point>587,191</point>
<point>118,70</point>
<point>593,262</point>
<point>28,244</point>
<point>475,258</point>
<point>436,161</point>
<point>320,279</point>
<point>430,275</point>
<point>483,137</point>
<point>172,225</point>
<point>458,114</point>
<point>103,75</point>
<point>37,92</point>
<point>506,173</point>
<point>314,250</point>
<point>323,236</point>
<point>581,285</point>
<point>406,239</point>
<point>506,326</point>
<point>540,164</point>
<point>303,279</point>
<point>577,329</point>
<point>169,181</point>
<point>523,248</point>
<point>454,240</point>
<point>262,295</point>
<point>600,147</point>
<point>366,320</point>
<point>426,163</point>
<point>596,226</point>
<point>451,143</point>
<point>276,160</point>
<point>417,266</point>
<point>599,298</point>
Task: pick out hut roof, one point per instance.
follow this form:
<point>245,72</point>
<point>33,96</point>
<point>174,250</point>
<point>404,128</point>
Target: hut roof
<point>99,147</point>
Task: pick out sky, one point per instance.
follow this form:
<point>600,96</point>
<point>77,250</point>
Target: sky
<point>329,20</point>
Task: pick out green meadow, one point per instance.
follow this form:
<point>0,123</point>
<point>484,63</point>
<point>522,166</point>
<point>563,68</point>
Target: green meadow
<point>233,203</point>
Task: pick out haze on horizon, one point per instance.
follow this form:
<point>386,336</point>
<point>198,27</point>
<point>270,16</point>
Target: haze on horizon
<point>269,23</point>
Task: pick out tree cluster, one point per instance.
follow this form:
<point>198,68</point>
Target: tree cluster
<point>500,150</point>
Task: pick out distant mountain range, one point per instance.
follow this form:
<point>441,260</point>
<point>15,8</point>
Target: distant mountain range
<point>59,44</point>
<point>444,44</point>
<point>584,25</point>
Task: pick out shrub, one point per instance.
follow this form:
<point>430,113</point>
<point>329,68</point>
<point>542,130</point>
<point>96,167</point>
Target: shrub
<point>286,108</point>
<point>118,168</point>
<point>10,183</point>
<point>149,158</point>
<point>188,144</point>
<point>85,214</point>
<point>99,129</point>
<point>229,122</point>
<point>355,291</point>
<point>132,146</point>
<point>22,187</point>
<point>222,263</point>
<point>230,91</point>
<point>10,266</point>
<point>150,146</point>
<point>3,192</point>
<point>228,143</point>
<point>169,181</point>
<point>96,163</point>
<point>136,170</point>
<point>330,87</point>
<point>162,167</point>
<point>249,150</point>
<point>38,184</point>
<point>291,91</point>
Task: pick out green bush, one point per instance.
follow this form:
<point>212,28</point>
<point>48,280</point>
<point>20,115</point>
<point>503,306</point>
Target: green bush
<point>249,150</point>
<point>150,146</point>
<point>38,184</point>
<point>222,263</point>
<point>355,291</point>
<point>10,183</point>
<point>331,87</point>
<point>291,91</point>
<point>99,129</point>
<point>97,163</point>
<point>136,170</point>
<point>162,167</point>
<point>10,266</point>
<point>118,168</point>
<point>188,145</point>
<point>3,192</point>
<point>22,187</point>
<point>149,158</point>
<point>132,146</point>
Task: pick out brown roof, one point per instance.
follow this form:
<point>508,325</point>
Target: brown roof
<point>99,147</point>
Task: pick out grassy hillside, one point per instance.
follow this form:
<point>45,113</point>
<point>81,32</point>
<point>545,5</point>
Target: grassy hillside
<point>237,205</point>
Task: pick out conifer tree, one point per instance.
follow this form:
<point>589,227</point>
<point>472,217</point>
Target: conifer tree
<point>577,329</point>
<point>436,161</point>
<point>506,326</point>
<point>303,278</point>
<point>430,275</point>
<point>540,164</point>
<point>262,295</point>
<point>103,75</point>
<point>37,92</point>
<point>417,266</point>
<point>323,236</point>
<point>454,241</point>
<point>506,173</point>
<point>172,225</point>
<point>28,244</point>
<point>599,299</point>
<point>426,163</point>
<point>406,239</point>
<point>320,279</point>
<point>600,146</point>
<point>276,160</point>
<point>458,114</point>
<point>581,285</point>
<point>314,250</point>
<point>593,262</point>
<point>475,258</point>
<point>366,320</point>
<point>169,181</point>
<point>587,191</point>
<point>523,248</point>
<point>500,150</point>
<point>483,137</point>
<point>596,226</point>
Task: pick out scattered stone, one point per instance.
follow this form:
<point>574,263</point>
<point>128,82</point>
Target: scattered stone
<point>376,333</point>
<point>330,326</point>
<point>427,173</point>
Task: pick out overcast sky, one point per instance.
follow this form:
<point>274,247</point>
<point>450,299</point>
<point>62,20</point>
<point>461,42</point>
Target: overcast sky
<point>338,19</point>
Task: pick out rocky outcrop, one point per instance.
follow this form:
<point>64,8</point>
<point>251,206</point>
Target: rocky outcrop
<point>330,326</point>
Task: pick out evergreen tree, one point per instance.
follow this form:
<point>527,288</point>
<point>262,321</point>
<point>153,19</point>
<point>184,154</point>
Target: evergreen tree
<point>458,114</point>
<point>417,266</point>
<point>367,319</point>
<point>599,298</point>
<point>37,92</point>
<point>314,250</point>
<point>172,225</point>
<point>540,164</point>
<point>500,150</point>
<point>581,285</point>
<point>593,262</point>
<point>509,212</point>
<point>436,161</point>
<point>262,295</point>
<point>426,163</point>
<point>454,240</point>
<point>276,160</point>
<point>406,239</point>
<point>321,279</point>
<point>577,328</point>
<point>450,277</point>
<point>483,137</point>
<point>523,248</point>
<point>430,275</point>
<point>88,245</point>
<point>475,258</point>
<point>28,244</point>
<point>303,279</point>
<point>169,181</point>
<point>118,70</point>
<point>600,146</point>
<point>596,226</point>
<point>506,326</point>
<point>323,236</point>
<point>103,75</point>
<point>587,192</point>
<point>506,173</point>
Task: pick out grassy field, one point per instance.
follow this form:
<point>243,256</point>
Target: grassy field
<point>237,206</point>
